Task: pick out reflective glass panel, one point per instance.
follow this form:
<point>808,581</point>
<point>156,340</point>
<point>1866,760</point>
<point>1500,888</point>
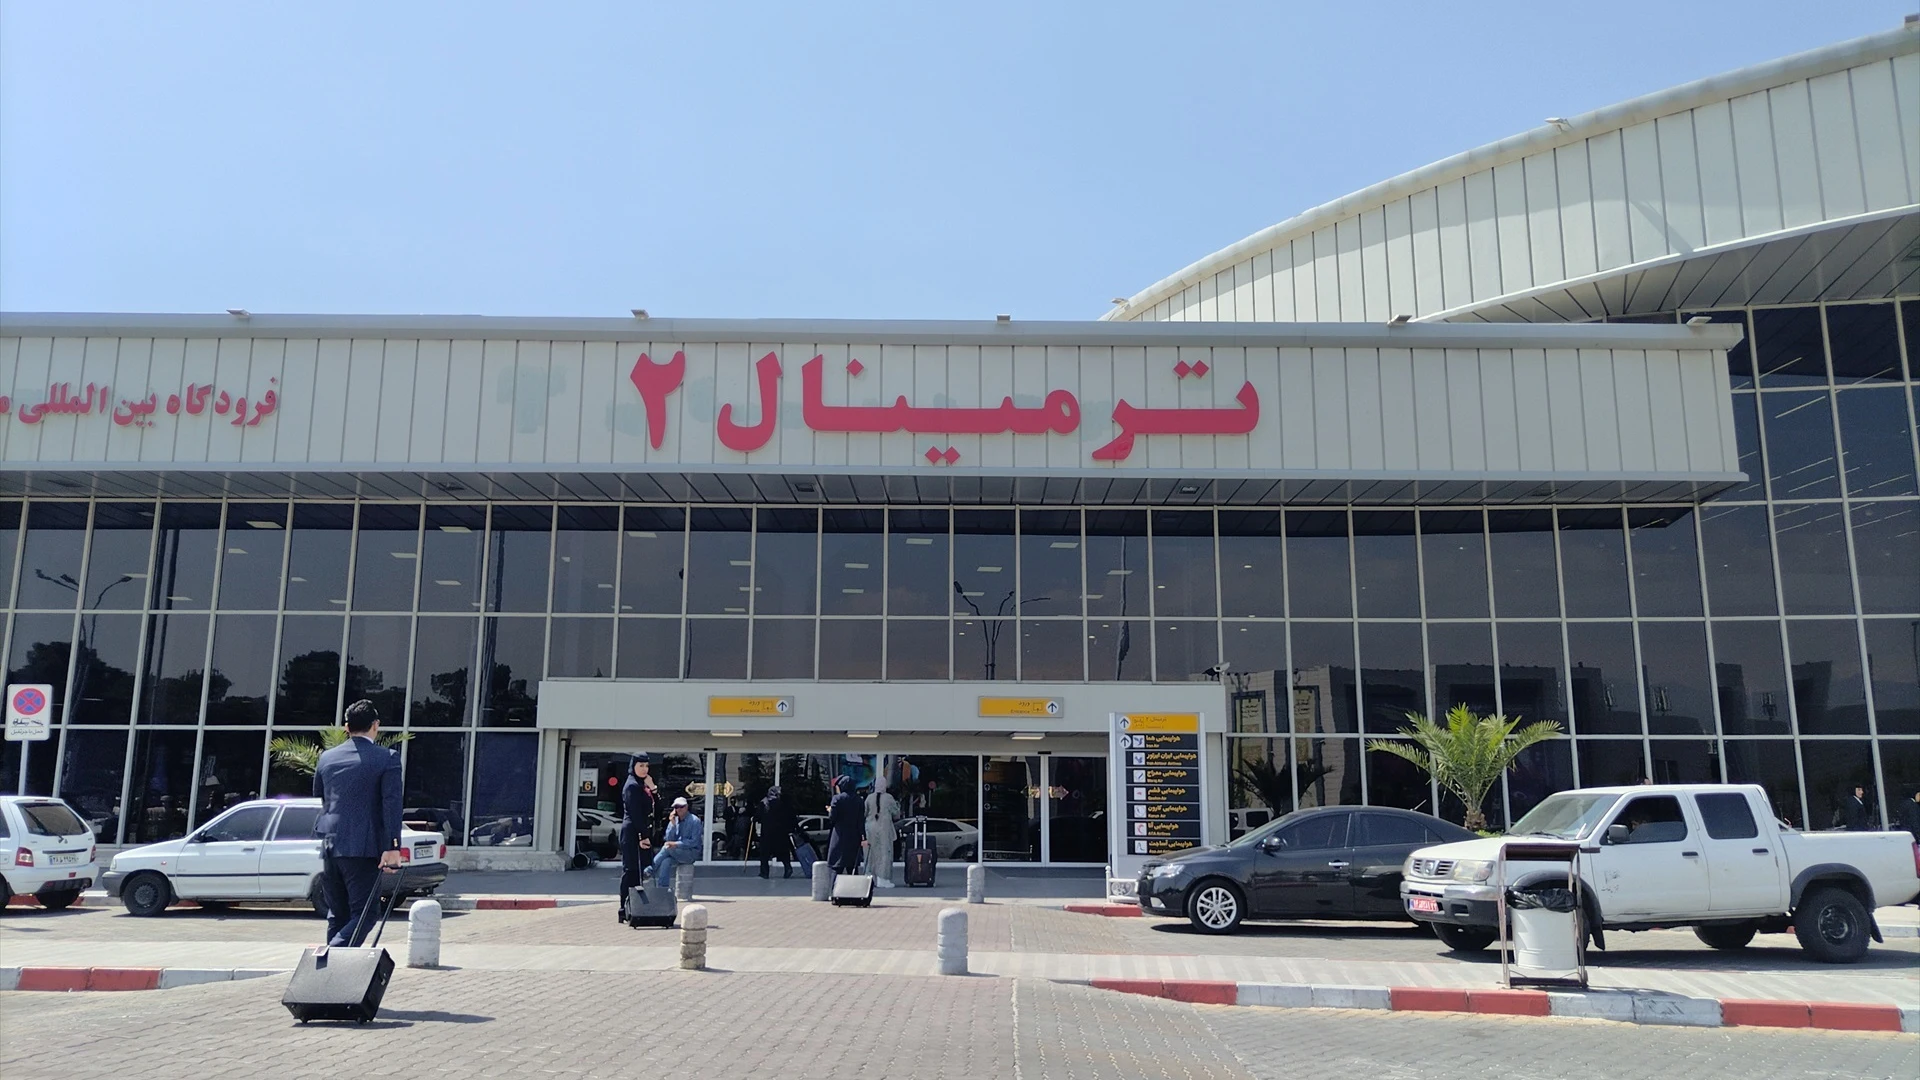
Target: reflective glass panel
<point>720,562</point>
<point>1386,566</point>
<point>945,789</point>
<point>1256,650</point>
<point>786,561</point>
<point>1746,436</point>
<point>450,558</point>
<point>1185,650</point>
<point>309,671</point>
<point>716,649</point>
<point>1876,442</point>
<point>983,570</point>
<point>585,543</point>
<point>1531,686</point>
<point>93,765</point>
<point>1259,783</point>
<point>1460,659</point>
<point>240,682</point>
<point>386,558</point>
<point>1453,553</point>
<point>1824,658</point>
<point>118,565</point>
<point>1540,771</point>
<point>519,548</point>
<point>229,771</point>
<point>1603,685</point>
<point>503,771</point>
<point>1329,770</point>
<point>1834,767</point>
<point>50,556</point>
<point>1751,678</point>
<point>1812,541</point>
<point>435,782</point>
<point>39,652</point>
<point>512,657</point>
<point>1394,781</point>
<point>783,648</point>
<point>1800,458</point>
<point>580,649</point>
<point>38,767</point>
<point>1893,663</point>
<point>1666,565</point>
<point>1392,684</point>
<point>1739,558</point>
<point>1685,761</point>
<point>976,649</point>
<point>853,552</point>
<point>1251,579</point>
<point>183,565</point>
<point>1050,550</point>
<point>1526,577</point>
<point>176,666</point>
<point>103,672</point>
<point>918,582</point>
<point>162,785</point>
<point>1118,650</point>
<point>10,516</point>
<point>1011,792</point>
<point>1183,571</point>
<point>317,555</point>
<point>1610,762</point>
<point>1593,562</point>
<point>1053,650</point>
<point>649,648</point>
<point>1076,809</point>
<point>1318,580</point>
<point>442,664</point>
<point>1679,684</point>
<point>1116,564</point>
<point>651,561</point>
<point>850,649</point>
<point>1865,343</point>
<point>1324,688</point>
<point>256,543</point>
<point>377,663</point>
<point>1788,344</point>
<point>1773,765</point>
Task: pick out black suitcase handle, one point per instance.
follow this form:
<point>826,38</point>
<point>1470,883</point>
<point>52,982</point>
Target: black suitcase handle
<point>399,872</point>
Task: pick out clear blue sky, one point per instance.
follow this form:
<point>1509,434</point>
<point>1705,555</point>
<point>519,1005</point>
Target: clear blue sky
<point>893,160</point>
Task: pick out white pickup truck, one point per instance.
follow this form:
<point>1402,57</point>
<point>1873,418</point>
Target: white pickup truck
<point>1708,856</point>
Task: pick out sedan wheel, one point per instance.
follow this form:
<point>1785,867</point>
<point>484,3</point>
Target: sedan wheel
<point>1215,907</point>
<point>146,894</point>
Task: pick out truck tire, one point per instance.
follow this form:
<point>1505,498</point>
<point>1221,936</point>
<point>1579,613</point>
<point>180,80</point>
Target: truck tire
<point>1727,937</point>
<point>1463,939</point>
<point>1831,925</point>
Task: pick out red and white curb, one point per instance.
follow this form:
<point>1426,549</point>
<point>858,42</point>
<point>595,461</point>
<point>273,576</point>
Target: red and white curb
<point>1627,1006</point>
<point>447,903</point>
<point>105,978</point>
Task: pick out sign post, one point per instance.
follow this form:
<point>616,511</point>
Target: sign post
<point>29,720</point>
<point>1157,778</point>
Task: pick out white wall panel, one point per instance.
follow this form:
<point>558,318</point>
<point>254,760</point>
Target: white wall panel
<point>1794,154</point>
<point>1398,413</point>
<point>365,363</point>
<point>1063,369</point>
<point>1456,275</point>
<point>1533,430</point>
<point>1647,228</point>
<point>88,441</point>
<point>393,438</point>
<point>266,373</point>
<point>1264,445</point>
<point>1244,304</point>
<point>1638,452</point>
<point>1365,422</point>
<point>427,439</point>
<point>233,375</point>
<point>1761,209</point>
<point>1836,147</point>
<point>61,359</point>
<point>1464,410</point>
<point>1543,214</point>
<point>1602,411</point>
<point>1429,285</point>
<point>1499,420</point>
<point>1326,275</point>
<point>201,368</point>
<point>12,384</point>
<point>1567,412</point>
<point>1680,183</point>
<point>131,383</point>
<point>565,371</point>
<point>700,400</point>
<point>1346,240</point>
<point>1299,438</point>
<point>1718,170</point>
<point>1573,176</point>
<point>530,389</point>
<point>1260,290</point>
<point>1877,123</point>
<point>1398,250</point>
<point>292,424</point>
<point>1607,177</point>
<point>1306,307</point>
<point>1510,209</point>
<point>1906,96</point>
<point>1434,435</point>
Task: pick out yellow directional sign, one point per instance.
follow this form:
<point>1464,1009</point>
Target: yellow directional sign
<point>1042,707</point>
<point>1155,722</point>
<point>749,706</point>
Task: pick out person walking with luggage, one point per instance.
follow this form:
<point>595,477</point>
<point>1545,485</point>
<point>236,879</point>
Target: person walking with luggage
<point>845,819</point>
<point>636,825</point>
<point>358,785</point>
<point>883,815</point>
<point>777,826</point>
<point>682,843</point>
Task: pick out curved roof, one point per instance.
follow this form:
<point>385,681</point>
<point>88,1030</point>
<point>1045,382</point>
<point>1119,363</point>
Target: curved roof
<point>1821,140</point>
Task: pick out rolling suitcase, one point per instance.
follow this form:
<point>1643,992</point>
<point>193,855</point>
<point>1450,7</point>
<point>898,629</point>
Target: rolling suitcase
<point>803,854</point>
<point>922,860</point>
<point>852,890</point>
<point>655,908</point>
<point>344,984</point>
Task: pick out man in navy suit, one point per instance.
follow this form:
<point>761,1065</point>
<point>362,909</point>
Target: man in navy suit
<point>358,785</point>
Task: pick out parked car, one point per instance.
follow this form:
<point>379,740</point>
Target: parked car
<point>1706,856</point>
<point>1327,863</point>
<point>46,850</point>
<point>815,828</point>
<point>596,831</point>
<point>258,851</point>
<point>514,831</point>
<point>951,839</point>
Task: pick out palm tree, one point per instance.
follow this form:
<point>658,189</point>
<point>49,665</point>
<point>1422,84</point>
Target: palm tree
<point>1468,755</point>
<point>296,754</point>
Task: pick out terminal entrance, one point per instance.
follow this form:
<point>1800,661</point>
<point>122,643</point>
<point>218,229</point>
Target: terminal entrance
<point>1011,808</point>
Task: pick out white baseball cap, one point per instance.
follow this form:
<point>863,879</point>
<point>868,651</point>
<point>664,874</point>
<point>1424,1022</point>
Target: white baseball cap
<point>680,802</point>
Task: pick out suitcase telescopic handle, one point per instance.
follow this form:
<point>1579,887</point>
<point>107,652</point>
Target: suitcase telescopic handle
<point>359,924</point>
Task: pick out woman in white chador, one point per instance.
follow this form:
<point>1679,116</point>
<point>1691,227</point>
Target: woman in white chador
<point>883,811</point>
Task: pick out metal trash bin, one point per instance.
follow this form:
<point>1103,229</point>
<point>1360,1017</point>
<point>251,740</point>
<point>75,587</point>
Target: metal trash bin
<point>1546,934</point>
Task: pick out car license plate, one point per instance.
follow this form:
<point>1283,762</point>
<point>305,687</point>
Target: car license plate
<point>63,860</point>
<point>1423,903</point>
<point>423,851</point>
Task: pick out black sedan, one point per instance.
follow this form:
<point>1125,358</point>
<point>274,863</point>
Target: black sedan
<point>1330,863</point>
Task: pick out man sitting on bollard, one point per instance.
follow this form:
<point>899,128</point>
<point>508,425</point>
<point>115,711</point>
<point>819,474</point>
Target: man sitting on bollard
<point>682,844</point>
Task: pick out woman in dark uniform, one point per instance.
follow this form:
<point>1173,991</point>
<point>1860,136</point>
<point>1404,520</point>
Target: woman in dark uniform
<point>847,819</point>
<point>636,826</point>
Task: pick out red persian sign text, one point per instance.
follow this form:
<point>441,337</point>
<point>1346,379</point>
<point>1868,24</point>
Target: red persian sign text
<point>97,399</point>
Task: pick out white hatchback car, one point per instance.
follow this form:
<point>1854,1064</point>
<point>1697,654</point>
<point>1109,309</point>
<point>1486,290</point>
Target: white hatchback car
<point>258,851</point>
<point>45,851</point>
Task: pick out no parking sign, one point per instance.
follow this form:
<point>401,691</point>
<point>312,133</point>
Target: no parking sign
<point>29,712</point>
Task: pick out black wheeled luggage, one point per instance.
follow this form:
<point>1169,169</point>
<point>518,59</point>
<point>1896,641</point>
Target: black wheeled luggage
<point>343,984</point>
<point>852,890</point>
<point>922,860</point>
<point>651,906</point>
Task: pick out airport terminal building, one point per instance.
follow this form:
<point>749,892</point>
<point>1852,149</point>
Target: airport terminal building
<point>1610,423</point>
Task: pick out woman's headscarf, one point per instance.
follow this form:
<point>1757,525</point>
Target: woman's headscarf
<point>845,785</point>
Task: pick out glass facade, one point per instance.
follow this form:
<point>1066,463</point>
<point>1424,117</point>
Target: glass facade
<point>1770,635</point>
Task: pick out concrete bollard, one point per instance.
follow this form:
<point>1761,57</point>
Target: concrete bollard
<point>693,937</point>
<point>976,884</point>
<point>952,942</point>
<point>822,880</point>
<point>683,883</point>
<point>423,934</point>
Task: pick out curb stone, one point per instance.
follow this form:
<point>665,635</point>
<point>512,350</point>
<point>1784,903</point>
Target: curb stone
<point>107,980</point>
<point>1623,1006</point>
